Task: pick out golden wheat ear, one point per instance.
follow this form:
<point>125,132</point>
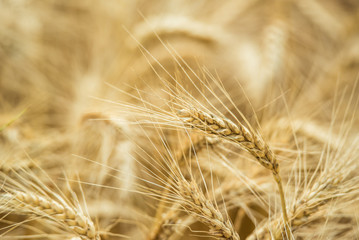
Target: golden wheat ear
<point>196,204</point>
<point>27,194</point>
<point>165,221</point>
<point>239,134</point>
<point>44,207</point>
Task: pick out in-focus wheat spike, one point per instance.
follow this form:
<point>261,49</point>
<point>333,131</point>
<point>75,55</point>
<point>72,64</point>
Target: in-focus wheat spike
<point>239,134</point>
<point>171,221</point>
<point>228,130</point>
<point>163,225</point>
<point>31,203</point>
<point>196,204</point>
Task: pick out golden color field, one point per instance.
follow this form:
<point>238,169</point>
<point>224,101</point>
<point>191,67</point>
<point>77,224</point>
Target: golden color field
<point>179,119</point>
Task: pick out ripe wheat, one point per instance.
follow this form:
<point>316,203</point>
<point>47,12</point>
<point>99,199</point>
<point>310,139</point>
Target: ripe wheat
<point>58,212</point>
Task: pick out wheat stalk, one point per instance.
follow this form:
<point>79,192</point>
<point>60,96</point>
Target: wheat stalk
<point>54,210</point>
<point>246,139</point>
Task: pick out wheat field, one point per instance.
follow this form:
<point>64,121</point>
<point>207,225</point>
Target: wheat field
<point>178,119</point>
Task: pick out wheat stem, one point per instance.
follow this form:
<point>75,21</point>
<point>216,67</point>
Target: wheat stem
<point>278,180</point>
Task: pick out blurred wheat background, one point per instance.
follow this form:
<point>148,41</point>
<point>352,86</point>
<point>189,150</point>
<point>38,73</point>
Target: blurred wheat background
<point>182,119</point>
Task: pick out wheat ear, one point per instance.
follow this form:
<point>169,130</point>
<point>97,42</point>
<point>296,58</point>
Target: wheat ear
<point>41,206</point>
<point>195,203</point>
<point>160,229</point>
<point>237,133</point>
<point>336,181</point>
<point>301,211</point>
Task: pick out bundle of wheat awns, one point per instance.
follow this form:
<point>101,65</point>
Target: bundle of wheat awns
<point>157,119</point>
